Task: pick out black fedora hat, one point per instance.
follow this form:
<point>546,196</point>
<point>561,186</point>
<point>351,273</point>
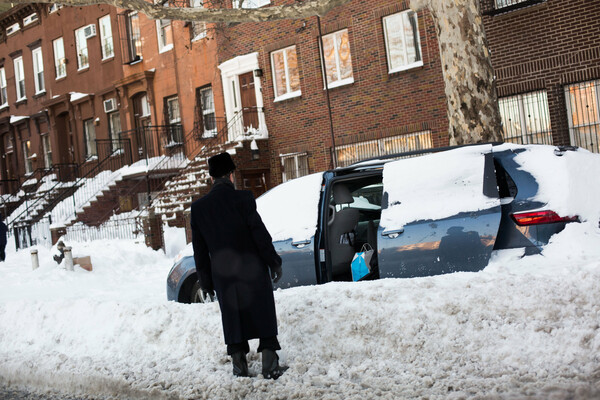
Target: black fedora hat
<point>220,165</point>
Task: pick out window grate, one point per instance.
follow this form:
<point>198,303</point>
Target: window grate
<point>526,118</point>
<point>583,111</point>
<point>355,152</point>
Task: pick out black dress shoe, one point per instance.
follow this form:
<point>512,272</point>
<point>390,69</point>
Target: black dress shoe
<point>270,365</point>
<point>240,365</point>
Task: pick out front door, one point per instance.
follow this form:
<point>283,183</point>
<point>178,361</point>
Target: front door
<point>248,96</point>
<point>255,181</point>
<point>65,139</point>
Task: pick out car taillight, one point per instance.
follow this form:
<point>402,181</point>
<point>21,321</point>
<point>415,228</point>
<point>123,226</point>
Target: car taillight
<point>540,217</point>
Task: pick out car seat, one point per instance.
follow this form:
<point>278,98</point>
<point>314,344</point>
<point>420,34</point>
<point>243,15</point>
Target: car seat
<point>341,231</point>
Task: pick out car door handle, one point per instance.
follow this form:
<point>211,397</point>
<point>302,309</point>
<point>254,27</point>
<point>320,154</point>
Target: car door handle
<point>393,234</point>
<point>301,243</point>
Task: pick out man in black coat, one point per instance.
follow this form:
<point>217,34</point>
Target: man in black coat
<point>234,254</point>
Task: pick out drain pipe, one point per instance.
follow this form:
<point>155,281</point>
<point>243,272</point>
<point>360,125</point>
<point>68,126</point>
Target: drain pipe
<point>324,70</point>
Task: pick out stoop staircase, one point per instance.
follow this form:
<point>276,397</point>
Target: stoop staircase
<point>191,183</point>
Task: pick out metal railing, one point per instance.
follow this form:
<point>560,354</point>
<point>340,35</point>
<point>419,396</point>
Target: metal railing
<point>196,142</point>
<point>146,141</point>
<point>113,159</point>
<point>125,228</point>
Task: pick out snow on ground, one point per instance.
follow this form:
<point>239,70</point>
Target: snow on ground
<point>522,328</point>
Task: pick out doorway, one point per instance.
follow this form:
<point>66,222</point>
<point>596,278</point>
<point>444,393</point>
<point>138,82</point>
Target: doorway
<point>248,97</point>
<point>255,181</point>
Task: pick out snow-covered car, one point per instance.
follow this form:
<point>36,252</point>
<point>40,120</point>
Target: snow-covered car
<point>424,213</point>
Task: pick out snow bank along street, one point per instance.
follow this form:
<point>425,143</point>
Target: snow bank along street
<point>523,327</point>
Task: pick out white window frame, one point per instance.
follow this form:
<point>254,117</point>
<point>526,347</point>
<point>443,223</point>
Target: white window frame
<point>106,37</point>
<point>173,99</point>
<point>251,3</point>
<point>38,70</point>
<point>339,81</point>
<point>14,28</point>
<point>47,149</point>
<point>60,63</point>
<point>161,35</point>
<point>285,175</point>
<point>145,105</point>
<point>54,8</point>
<point>207,111</point>
<point>83,57</point>
<point>27,159</point>
<point>20,77</point>
<point>288,93</point>
<point>3,88</point>
<point>30,19</point>
<point>387,27</point>
<point>90,145</point>
<point>198,27</point>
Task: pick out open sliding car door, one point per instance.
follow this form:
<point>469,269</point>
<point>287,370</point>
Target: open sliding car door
<point>440,213</point>
<point>290,212</point>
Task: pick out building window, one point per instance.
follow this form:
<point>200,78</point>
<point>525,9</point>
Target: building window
<point>205,112</point>
<point>165,35</point>
<point>526,118</point>
<point>114,127</point>
<point>38,70</point>
<point>402,41</point>
<point>19,78</point>
<point>355,152</point>
<point>3,90</point>
<point>286,76</point>
<point>60,63</point>
<point>106,37</point>
<point>27,157</point>
<point>89,133</point>
<point>47,149</point>
<point>54,8</point>
<point>12,29</point>
<point>294,166</point>
<point>173,110</point>
<point>82,50</point>
<point>134,37</point>
<point>251,3</point>
<point>198,28</point>
<point>583,110</point>
<point>508,3</point>
<point>30,19</point>
<point>338,61</point>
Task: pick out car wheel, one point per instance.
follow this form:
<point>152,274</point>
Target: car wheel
<point>197,296</point>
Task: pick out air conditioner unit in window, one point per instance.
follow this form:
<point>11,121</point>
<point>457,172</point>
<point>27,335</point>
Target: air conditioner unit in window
<point>110,105</point>
<point>89,31</point>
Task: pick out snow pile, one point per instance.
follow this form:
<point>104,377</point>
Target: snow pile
<point>290,211</point>
<point>423,195</point>
<point>523,327</point>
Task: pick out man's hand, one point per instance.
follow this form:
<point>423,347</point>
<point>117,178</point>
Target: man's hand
<point>276,273</point>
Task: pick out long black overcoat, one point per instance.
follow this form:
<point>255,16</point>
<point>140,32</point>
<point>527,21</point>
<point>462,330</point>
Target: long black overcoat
<point>233,252</point>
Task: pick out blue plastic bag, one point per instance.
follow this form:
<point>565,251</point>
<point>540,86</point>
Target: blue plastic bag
<point>361,262</point>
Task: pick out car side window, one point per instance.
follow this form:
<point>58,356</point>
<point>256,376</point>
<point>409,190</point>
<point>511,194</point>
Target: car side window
<point>506,185</point>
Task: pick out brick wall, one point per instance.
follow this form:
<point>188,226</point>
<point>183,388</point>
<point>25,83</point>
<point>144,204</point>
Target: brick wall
<point>545,47</point>
<point>377,104</point>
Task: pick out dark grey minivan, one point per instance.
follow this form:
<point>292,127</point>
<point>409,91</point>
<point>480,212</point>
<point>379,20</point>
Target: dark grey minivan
<point>424,213</point>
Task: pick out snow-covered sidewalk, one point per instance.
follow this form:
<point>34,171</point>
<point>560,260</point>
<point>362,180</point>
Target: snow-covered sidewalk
<point>522,328</point>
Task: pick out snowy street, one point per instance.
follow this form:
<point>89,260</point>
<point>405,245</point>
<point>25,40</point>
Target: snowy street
<point>523,327</point>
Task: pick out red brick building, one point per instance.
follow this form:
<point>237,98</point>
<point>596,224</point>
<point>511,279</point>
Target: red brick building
<point>386,89</point>
<point>74,81</point>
